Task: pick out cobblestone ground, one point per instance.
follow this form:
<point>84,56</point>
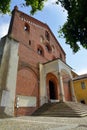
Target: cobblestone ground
<point>43,123</point>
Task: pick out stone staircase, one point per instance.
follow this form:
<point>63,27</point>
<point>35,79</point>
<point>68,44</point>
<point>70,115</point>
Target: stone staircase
<point>62,109</point>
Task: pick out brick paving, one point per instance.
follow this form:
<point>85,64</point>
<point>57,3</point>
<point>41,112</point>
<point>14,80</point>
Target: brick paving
<point>43,123</point>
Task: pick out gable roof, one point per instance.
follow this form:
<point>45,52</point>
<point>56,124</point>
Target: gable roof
<point>83,76</point>
<point>40,23</point>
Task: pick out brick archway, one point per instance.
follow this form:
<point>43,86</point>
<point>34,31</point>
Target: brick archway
<point>52,87</point>
<point>27,88</point>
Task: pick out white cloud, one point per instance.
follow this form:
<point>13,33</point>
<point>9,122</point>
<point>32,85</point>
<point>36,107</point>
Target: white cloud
<point>50,2</point>
<point>82,71</point>
<point>4,29</point>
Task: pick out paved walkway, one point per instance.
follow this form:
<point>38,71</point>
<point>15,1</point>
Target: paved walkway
<point>43,123</point>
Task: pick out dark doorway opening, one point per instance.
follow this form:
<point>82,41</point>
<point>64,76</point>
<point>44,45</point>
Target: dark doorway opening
<point>82,101</point>
<point>52,90</point>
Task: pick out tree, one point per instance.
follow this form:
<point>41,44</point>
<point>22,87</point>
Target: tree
<point>74,30</point>
<point>5,6</point>
<point>35,5</point>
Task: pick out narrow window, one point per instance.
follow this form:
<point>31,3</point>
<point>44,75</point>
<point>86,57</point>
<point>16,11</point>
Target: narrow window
<point>83,85</point>
<point>29,42</point>
<point>60,56</point>
<point>47,35</point>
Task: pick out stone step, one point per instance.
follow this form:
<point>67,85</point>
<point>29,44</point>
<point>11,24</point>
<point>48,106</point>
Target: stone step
<point>65,109</point>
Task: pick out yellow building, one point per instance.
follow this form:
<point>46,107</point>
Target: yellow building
<point>80,88</point>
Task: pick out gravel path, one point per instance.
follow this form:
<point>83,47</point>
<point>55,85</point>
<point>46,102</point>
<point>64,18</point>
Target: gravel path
<point>43,123</point>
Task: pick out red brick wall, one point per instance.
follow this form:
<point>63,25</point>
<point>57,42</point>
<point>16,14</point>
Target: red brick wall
<point>24,111</point>
<point>67,90</point>
<point>36,30</point>
<point>29,42</point>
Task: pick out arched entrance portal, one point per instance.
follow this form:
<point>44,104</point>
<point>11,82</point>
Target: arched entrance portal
<point>52,92</point>
<point>52,86</point>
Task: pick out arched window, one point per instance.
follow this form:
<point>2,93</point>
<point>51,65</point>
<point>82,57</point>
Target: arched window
<point>40,51</point>
<point>48,48</point>
<point>41,39</point>
<point>26,27</point>
<point>53,48</point>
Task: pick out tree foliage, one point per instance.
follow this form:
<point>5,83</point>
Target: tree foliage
<point>75,28</point>
<point>5,6</point>
<point>35,5</point>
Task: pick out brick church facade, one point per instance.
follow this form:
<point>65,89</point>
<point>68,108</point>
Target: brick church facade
<point>33,69</point>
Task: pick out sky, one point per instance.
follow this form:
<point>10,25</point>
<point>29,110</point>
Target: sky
<point>54,16</point>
